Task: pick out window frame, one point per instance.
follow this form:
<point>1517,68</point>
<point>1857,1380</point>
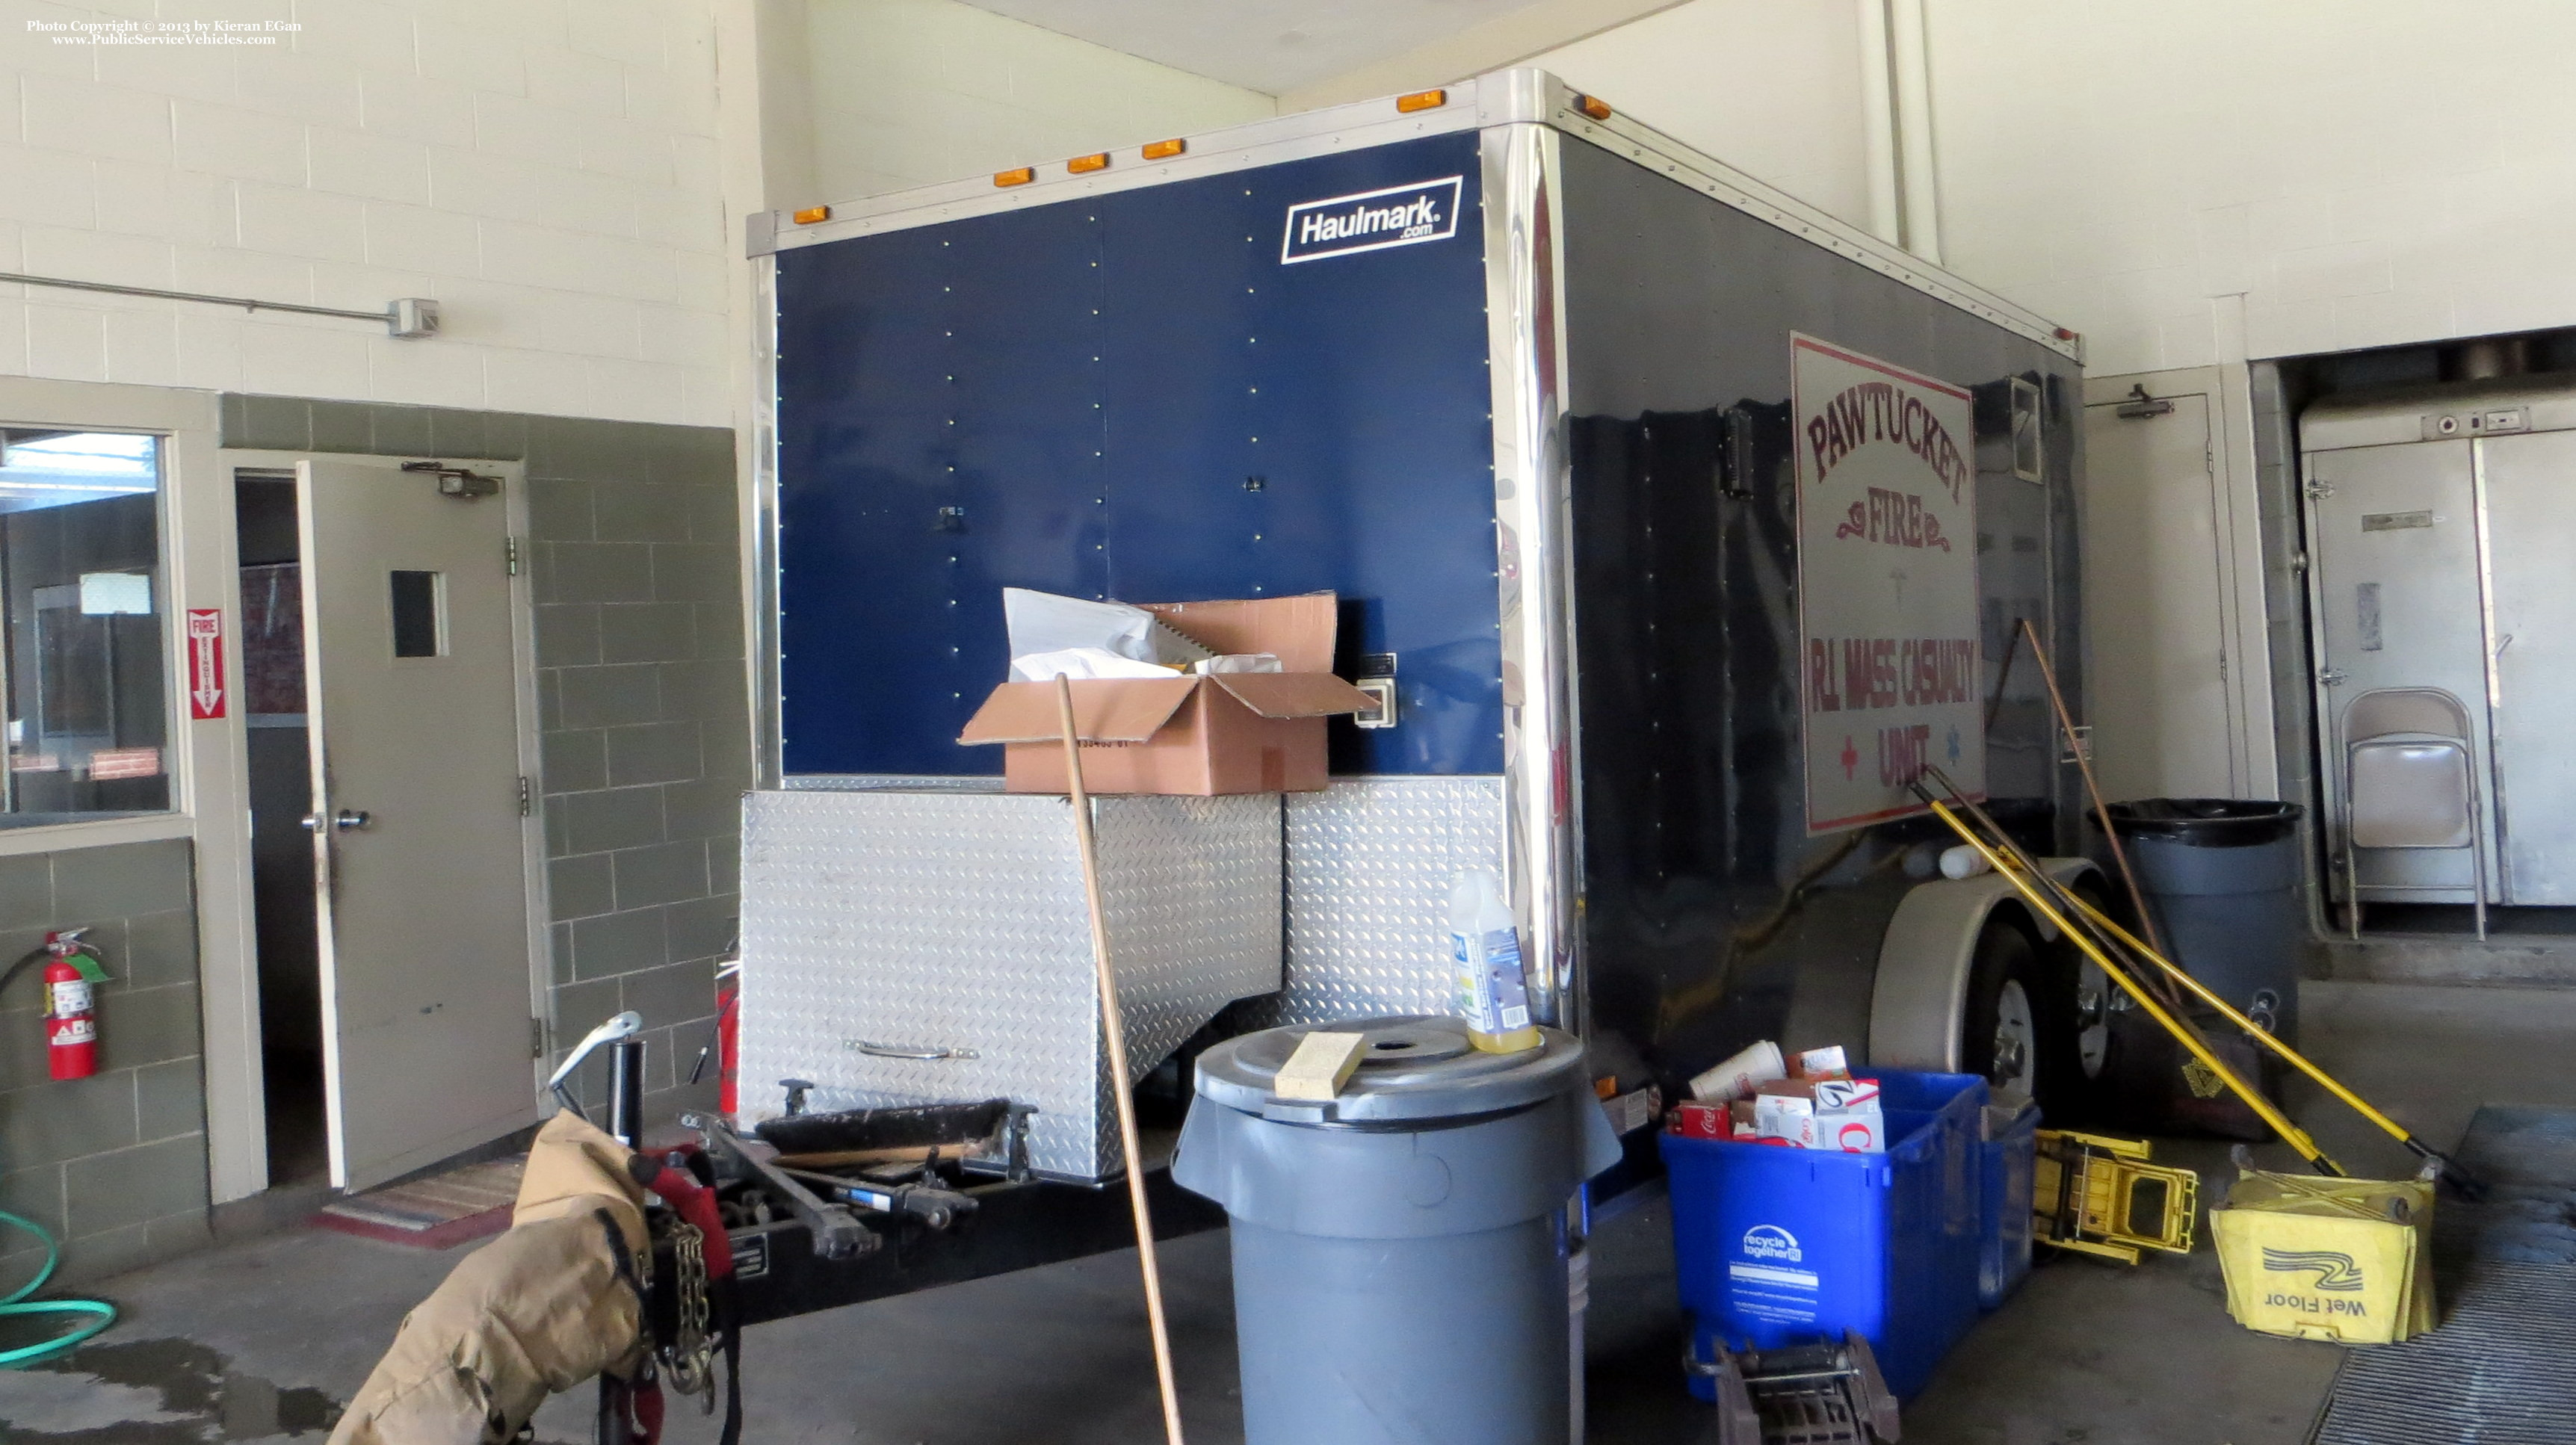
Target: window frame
<point>31,404</point>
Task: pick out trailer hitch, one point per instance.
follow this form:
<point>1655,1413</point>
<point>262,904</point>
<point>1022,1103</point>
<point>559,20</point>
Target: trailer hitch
<point>934,1206</point>
<point>838,1234</point>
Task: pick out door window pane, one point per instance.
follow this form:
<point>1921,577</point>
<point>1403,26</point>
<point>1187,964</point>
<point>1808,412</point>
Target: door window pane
<point>416,619</point>
<point>83,652</point>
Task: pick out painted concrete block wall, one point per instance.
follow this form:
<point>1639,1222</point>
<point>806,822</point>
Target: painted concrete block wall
<point>1771,89</point>
<point>644,707</point>
<point>113,1165</point>
<point>547,170</point>
<point>2362,173</point>
<point>908,92</point>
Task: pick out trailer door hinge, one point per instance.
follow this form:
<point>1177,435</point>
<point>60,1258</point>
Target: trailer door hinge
<point>527,797</point>
<point>510,554</point>
<point>536,1038</point>
<point>2333,676</point>
<point>2318,491</point>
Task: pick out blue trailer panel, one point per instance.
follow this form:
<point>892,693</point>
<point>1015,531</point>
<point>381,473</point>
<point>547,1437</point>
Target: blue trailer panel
<point>1131,396</point>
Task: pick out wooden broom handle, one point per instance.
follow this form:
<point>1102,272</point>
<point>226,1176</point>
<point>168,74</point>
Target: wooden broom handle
<point>1114,1025</point>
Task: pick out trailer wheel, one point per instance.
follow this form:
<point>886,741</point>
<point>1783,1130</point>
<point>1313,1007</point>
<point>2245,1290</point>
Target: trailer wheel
<point>2005,1034</point>
<point>2094,991</point>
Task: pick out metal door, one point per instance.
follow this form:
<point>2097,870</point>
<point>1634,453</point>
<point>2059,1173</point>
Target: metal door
<point>2395,598</point>
<point>2530,487</point>
<point>2155,604</point>
<point>412,684</point>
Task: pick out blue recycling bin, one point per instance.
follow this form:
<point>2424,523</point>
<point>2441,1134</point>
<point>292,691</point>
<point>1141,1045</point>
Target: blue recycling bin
<point>1776,1246</point>
<point>2008,1159</point>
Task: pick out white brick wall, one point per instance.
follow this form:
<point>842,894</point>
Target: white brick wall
<point>2363,172</point>
<point>545,168</point>
<point>908,92</point>
<point>1771,89</point>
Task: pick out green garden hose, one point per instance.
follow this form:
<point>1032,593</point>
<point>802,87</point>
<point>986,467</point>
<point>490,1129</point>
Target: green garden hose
<point>99,1314</point>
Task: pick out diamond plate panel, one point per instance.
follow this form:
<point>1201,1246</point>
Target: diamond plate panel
<point>1370,865</point>
<point>952,923</point>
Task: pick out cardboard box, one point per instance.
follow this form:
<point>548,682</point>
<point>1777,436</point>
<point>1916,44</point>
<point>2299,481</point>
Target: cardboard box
<point>1235,732</point>
<point>1825,1063</point>
<point>1697,1119</point>
<point>1848,1117</point>
<point>1784,1116</point>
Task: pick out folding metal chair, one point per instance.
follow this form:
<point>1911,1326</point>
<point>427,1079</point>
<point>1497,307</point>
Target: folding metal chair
<point>2410,781</point>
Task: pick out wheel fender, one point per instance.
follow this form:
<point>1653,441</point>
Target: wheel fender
<point>1923,963</point>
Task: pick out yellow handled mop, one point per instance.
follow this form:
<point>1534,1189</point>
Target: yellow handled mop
<point>2443,1164</point>
<point>2109,933</point>
<point>2173,1024</point>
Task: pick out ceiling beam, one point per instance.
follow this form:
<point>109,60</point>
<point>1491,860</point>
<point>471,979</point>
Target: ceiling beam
<point>1504,40</point>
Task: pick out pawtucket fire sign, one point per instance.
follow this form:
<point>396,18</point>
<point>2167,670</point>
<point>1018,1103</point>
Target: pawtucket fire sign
<point>1887,584</point>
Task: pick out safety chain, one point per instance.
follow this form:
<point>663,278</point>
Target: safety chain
<point>692,1352</point>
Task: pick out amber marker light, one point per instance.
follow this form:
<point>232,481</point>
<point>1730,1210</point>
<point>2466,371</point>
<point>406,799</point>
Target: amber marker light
<point>811,214</point>
<point>1593,106</point>
<point>1165,149</point>
<point>1421,100</point>
<point>1020,177</point>
<point>1081,164</point>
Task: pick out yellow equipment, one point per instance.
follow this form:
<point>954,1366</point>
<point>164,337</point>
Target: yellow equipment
<point>2094,1194</point>
<point>2347,1260</point>
<point>2100,936</point>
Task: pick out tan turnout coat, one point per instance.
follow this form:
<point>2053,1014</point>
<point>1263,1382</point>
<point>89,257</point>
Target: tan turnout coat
<point>549,1304</point>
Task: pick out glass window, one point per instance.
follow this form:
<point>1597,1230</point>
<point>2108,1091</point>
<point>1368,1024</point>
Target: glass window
<point>82,651</point>
<point>417,629</point>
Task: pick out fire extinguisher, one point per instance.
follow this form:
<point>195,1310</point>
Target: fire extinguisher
<point>729,1040</point>
<point>73,973</point>
<point>725,1046</point>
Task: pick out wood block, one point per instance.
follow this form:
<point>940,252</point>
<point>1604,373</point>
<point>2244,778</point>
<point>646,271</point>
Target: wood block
<point>1322,1064</point>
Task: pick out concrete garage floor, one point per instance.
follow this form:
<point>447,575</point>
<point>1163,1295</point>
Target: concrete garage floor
<point>259,1341</point>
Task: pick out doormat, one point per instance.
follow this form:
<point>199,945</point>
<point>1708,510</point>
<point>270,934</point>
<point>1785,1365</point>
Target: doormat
<point>2502,1366</point>
<point>436,1212</point>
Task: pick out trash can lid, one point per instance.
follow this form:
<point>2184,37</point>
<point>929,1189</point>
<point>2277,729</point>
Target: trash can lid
<point>1413,1066</point>
<point>2207,822</point>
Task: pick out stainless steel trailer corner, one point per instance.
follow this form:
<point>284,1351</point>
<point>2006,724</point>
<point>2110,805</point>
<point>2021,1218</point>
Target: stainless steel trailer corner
<point>1683,522</point>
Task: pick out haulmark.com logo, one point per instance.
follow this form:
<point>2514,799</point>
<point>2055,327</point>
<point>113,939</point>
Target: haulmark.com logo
<point>2335,1271</point>
<point>1371,221</point>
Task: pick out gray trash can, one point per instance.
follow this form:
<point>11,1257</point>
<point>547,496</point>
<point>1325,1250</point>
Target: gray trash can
<point>1399,1260</point>
<point>2222,875</point>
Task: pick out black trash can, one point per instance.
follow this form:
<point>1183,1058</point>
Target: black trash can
<point>2222,878</point>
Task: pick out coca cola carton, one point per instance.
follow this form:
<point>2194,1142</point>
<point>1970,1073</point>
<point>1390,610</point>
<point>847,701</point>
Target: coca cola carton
<point>1847,1117</point>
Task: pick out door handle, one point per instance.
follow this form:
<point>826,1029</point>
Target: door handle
<point>907,1051</point>
<point>344,821</point>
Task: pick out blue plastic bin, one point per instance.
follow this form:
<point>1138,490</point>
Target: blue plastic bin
<point>2010,1156</point>
<point>1774,1246</point>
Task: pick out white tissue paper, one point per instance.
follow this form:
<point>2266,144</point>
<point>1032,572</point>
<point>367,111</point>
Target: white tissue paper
<point>1042,622</point>
<point>1237,662</point>
<point>1080,663</point>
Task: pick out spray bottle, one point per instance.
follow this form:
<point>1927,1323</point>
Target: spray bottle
<point>1492,994</point>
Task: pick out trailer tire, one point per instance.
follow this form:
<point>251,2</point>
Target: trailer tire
<point>2083,1067</point>
<point>2008,1028</point>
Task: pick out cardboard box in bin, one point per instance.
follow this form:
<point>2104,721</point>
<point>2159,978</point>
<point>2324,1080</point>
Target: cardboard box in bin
<point>1233,732</point>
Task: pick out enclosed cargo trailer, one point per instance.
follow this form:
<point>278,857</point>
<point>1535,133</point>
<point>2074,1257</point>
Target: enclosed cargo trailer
<point>1680,523</point>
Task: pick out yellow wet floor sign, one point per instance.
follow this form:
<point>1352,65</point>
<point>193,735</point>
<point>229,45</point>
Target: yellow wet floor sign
<point>2348,1260</point>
